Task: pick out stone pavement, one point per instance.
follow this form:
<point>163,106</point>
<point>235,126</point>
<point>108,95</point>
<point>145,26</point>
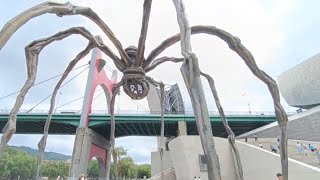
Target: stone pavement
<point>310,159</point>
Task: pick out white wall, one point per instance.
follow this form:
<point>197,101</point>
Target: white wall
<point>156,162</point>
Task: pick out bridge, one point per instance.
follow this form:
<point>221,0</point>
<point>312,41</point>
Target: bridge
<point>66,123</point>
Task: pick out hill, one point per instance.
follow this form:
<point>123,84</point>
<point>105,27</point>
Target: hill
<point>47,155</point>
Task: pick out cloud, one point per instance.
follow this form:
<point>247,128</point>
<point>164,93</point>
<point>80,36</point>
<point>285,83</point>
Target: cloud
<point>139,148</point>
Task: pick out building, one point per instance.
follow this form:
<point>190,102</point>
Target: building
<point>300,85</point>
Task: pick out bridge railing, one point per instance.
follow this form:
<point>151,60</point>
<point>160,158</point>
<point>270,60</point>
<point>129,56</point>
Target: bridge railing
<point>235,113</point>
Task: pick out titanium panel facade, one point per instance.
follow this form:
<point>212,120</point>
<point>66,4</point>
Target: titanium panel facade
<point>300,85</point>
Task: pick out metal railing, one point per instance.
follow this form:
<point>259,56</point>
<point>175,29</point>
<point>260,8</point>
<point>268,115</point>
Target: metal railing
<point>142,112</point>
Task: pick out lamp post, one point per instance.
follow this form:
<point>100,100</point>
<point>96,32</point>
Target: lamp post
<point>244,94</point>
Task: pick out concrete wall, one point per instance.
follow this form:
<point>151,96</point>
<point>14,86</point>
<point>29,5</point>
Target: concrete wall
<point>302,126</point>
<point>257,163</point>
<point>156,162</point>
<point>184,151</point>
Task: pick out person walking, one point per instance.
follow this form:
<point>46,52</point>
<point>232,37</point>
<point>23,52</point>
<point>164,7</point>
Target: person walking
<point>304,149</point>
<point>312,148</point>
<point>82,177</point>
<point>299,148</point>
<point>273,149</point>
<point>255,137</point>
<point>317,152</point>
<point>279,176</point>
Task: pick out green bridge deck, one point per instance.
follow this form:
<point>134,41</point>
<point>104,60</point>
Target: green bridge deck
<point>133,124</point>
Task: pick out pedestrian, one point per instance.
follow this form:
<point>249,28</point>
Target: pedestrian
<point>255,137</point>
<point>273,149</point>
<point>279,175</point>
<point>246,139</point>
<point>317,152</point>
<point>299,148</point>
<point>312,148</point>
<point>304,149</point>
<point>82,177</point>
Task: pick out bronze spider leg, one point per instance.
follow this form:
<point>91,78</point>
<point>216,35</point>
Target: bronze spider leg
<point>115,91</point>
<point>231,136</point>
<point>161,60</point>
<point>162,96</point>
<point>143,33</point>
<point>236,45</point>
<point>60,10</point>
<point>43,141</point>
<point>191,74</point>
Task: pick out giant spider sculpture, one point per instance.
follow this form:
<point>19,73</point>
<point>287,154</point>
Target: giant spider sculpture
<point>135,82</point>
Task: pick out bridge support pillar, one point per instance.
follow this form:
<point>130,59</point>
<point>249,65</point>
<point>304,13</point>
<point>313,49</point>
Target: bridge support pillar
<point>182,128</point>
<point>87,145</point>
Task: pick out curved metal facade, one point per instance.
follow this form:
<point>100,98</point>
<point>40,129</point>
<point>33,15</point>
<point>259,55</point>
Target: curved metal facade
<point>300,85</point>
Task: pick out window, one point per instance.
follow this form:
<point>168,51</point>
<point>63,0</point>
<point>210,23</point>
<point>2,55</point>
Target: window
<point>203,162</point>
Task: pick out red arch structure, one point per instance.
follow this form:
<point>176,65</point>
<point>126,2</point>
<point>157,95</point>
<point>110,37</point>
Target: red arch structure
<point>87,143</point>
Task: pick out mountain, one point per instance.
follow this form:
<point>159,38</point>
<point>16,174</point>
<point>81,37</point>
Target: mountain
<point>47,155</point>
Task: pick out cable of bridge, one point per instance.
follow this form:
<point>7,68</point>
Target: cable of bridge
<point>59,88</point>
<point>41,82</point>
<point>74,100</point>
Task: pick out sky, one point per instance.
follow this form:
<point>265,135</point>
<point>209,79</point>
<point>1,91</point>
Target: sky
<point>279,33</point>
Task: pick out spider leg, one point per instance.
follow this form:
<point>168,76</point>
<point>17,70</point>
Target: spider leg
<point>115,91</point>
<point>162,96</point>
<point>161,60</point>
<point>191,74</point>
<point>32,53</point>
<point>43,141</point>
<point>231,136</point>
<point>60,10</point>
<point>143,33</point>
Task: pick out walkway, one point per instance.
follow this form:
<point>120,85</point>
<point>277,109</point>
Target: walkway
<point>310,159</point>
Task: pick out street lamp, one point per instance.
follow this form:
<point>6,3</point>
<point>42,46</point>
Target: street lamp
<point>244,94</point>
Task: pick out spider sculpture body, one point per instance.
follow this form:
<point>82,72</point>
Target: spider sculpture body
<point>134,79</point>
<point>135,82</point>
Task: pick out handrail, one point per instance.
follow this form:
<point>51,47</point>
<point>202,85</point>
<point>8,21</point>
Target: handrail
<point>159,174</point>
<point>230,113</point>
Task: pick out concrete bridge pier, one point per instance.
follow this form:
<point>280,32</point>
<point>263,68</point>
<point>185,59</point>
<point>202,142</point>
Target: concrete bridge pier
<point>87,145</point>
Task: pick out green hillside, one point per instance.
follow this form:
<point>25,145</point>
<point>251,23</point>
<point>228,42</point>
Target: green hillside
<point>47,155</point>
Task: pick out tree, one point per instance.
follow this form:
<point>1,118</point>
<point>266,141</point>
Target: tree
<point>144,170</point>
<point>55,168</point>
<point>93,169</point>
<point>117,154</point>
<point>127,168</point>
<point>15,163</point>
